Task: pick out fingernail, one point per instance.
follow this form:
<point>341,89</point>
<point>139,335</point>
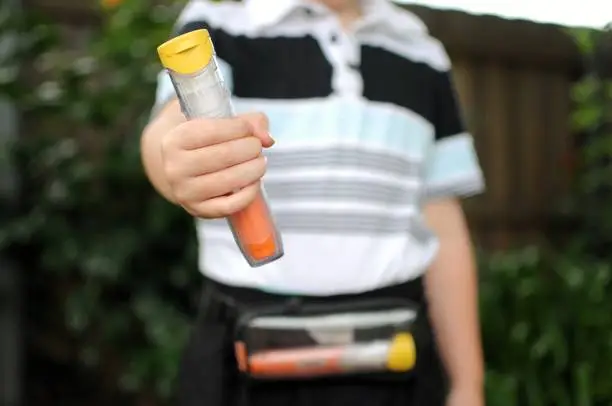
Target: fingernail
<point>271,138</point>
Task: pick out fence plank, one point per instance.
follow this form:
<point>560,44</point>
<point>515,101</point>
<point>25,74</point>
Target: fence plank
<point>531,133</point>
<point>495,117</point>
<point>558,138</point>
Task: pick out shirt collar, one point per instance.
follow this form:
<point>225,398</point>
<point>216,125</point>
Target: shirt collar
<point>269,12</point>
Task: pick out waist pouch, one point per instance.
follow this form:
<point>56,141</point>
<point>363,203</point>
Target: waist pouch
<point>305,341</point>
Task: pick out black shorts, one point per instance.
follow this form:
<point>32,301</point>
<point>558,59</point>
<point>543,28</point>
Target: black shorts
<point>208,373</point>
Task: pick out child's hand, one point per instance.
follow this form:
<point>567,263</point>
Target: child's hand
<point>205,160</point>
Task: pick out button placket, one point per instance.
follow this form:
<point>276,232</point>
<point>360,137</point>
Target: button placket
<point>344,50</point>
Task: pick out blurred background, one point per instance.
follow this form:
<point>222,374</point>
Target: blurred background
<point>98,280</point>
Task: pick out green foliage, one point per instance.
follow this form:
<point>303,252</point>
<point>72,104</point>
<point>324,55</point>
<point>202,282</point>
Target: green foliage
<point>546,329</point>
<point>592,120</point>
<point>101,248</point>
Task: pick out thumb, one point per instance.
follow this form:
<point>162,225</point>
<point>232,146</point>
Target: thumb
<point>260,125</point>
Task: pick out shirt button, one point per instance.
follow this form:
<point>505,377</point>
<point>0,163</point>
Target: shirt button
<point>334,38</point>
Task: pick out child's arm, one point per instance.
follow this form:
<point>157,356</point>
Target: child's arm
<point>453,172</point>
<point>451,288</point>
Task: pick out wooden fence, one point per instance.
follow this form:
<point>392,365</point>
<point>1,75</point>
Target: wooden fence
<point>514,79</point>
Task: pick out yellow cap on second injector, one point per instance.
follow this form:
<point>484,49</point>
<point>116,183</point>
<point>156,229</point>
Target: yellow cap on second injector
<point>188,53</point>
<point>402,354</point>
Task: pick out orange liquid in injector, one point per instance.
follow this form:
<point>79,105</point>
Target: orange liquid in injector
<point>255,230</point>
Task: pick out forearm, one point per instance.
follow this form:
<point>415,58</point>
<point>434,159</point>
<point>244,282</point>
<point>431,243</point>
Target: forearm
<point>151,149</point>
<point>452,291</point>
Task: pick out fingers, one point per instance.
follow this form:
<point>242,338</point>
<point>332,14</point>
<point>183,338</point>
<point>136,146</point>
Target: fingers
<point>200,133</point>
<point>214,158</point>
<point>226,205</point>
<point>212,165</point>
<point>260,126</point>
<point>190,191</point>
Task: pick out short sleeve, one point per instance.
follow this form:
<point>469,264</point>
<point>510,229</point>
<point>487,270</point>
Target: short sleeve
<point>452,167</point>
<point>196,15</point>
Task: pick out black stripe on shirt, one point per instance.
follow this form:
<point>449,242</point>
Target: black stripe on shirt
<point>296,68</point>
<point>271,68</point>
<point>391,78</point>
<point>447,120</point>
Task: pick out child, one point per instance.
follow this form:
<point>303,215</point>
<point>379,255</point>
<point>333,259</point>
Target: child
<point>364,178</point>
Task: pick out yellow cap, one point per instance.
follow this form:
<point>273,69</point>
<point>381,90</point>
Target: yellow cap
<point>402,354</point>
<point>188,53</point>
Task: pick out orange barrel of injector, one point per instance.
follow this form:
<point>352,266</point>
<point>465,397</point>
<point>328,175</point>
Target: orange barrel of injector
<point>395,355</point>
<point>190,62</point>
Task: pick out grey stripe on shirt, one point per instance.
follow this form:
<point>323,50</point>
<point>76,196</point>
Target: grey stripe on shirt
<point>344,223</point>
<point>343,157</point>
<point>340,190</point>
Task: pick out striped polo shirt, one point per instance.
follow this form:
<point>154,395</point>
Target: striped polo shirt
<point>367,131</point>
